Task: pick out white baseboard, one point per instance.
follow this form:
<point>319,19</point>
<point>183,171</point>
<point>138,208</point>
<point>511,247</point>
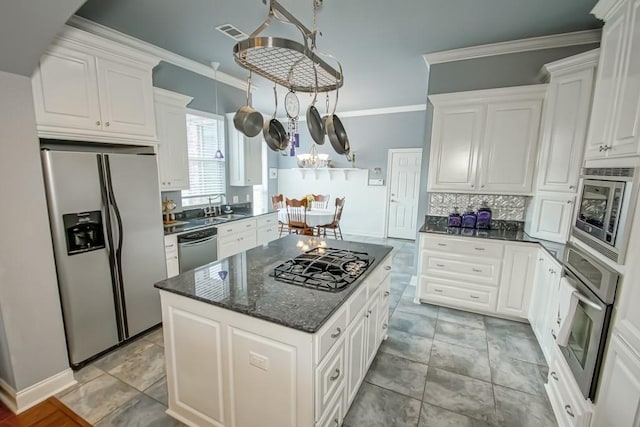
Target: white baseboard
<point>24,399</point>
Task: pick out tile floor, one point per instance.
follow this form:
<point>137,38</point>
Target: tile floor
<point>439,367</point>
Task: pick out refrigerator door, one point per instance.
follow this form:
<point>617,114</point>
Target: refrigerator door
<point>138,235</point>
<point>84,276</point>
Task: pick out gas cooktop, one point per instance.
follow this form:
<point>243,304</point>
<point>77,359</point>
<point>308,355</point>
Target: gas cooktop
<point>326,269</point>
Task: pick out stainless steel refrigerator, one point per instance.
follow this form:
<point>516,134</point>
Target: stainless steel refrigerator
<point>106,225</point>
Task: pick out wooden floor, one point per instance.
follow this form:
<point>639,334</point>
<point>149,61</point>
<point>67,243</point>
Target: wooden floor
<point>50,413</point>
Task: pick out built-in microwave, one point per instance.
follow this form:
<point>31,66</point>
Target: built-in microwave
<point>603,208</point>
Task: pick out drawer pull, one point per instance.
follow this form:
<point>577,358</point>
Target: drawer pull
<point>335,376</point>
<point>337,333</point>
<point>440,265</point>
<point>248,225</point>
<point>169,246</point>
<point>476,270</point>
<point>384,326</point>
<point>442,244</point>
<point>337,422</point>
<point>568,410</point>
<point>386,293</point>
<point>474,296</point>
<point>554,375</point>
<point>387,267</point>
<point>438,290</point>
<point>479,249</point>
<point>553,334</point>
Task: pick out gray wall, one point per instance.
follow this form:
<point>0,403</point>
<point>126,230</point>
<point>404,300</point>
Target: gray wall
<point>370,137</point>
<point>29,300</point>
<point>202,89</point>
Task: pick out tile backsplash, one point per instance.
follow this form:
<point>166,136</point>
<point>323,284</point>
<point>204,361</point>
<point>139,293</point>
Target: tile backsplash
<point>503,207</point>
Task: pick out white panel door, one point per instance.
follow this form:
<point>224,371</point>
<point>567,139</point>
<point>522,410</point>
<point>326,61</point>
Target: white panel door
<point>518,274</point>
<point>566,116</point>
<point>126,98</point>
<point>65,90</point>
<point>509,145</point>
<point>602,112</point>
<point>455,141</point>
<point>618,400</point>
<point>552,215</point>
<point>626,129</point>
<point>404,190</point>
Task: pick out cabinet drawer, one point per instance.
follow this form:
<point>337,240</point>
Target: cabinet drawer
<point>564,394</point>
<point>356,303</point>
<point>236,227</point>
<point>330,334</point>
<point>461,246</point>
<point>480,270</point>
<point>330,379</point>
<point>335,412</point>
<point>378,275</point>
<point>236,243</point>
<point>268,219</point>
<point>267,234</point>
<point>458,294</point>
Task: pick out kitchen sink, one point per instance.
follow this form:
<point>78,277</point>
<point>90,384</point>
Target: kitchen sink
<point>230,216</point>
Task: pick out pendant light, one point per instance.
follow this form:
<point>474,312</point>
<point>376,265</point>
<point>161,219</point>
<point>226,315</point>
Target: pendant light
<point>218,155</point>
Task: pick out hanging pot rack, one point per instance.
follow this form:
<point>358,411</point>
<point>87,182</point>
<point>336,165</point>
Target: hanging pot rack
<point>287,62</point>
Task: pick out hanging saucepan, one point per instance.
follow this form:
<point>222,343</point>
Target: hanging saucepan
<point>274,133</point>
<point>248,120</point>
<point>335,130</point>
<point>314,121</point>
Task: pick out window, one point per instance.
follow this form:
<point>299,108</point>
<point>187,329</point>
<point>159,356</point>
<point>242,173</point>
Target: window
<point>205,136</point>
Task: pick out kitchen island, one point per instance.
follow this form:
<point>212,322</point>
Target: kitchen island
<point>251,350</point>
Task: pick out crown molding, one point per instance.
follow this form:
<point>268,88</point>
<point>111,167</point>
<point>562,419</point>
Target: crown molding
<point>605,8</point>
<point>472,96</point>
<point>151,49</point>
<point>514,46</point>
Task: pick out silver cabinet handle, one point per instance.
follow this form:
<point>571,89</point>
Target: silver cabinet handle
<point>540,259</point>
<point>439,265</point>
<point>479,249</point>
<point>554,375</point>
<point>472,185</point>
<point>474,296</point>
<point>571,187</point>
<point>384,326</point>
<point>600,148</point>
<point>438,290</point>
<point>335,376</point>
<point>248,225</point>
<point>476,270</point>
<point>169,246</point>
<point>337,421</point>
<point>482,186</point>
<point>553,334</point>
<point>337,333</point>
<point>569,202</point>
<point>107,124</point>
<point>98,123</point>
<point>442,244</point>
<point>568,410</point>
<point>386,293</point>
<point>387,267</point>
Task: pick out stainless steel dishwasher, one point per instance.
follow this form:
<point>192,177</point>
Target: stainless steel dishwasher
<point>197,248</point>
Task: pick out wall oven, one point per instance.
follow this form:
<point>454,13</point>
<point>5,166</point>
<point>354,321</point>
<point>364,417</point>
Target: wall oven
<point>596,286</point>
<point>603,209</point>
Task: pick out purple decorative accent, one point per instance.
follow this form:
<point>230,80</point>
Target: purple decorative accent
<point>296,140</point>
<point>469,219</point>
<point>223,274</point>
<point>292,152</point>
<point>455,220</point>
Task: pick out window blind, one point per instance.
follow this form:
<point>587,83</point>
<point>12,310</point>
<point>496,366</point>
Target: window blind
<point>205,135</point>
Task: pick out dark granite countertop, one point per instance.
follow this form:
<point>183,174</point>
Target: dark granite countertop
<point>249,289</point>
<point>438,225</point>
<point>191,224</point>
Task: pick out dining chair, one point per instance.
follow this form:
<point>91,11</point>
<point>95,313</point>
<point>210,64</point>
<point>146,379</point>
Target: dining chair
<point>297,216</point>
<point>277,203</point>
<point>320,201</point>
<point>335,224</point>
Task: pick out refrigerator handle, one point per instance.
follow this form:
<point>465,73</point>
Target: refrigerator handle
<point>110,247</point>
<point>118,250</point>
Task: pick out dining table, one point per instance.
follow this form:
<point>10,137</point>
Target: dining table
<point>315,217</point>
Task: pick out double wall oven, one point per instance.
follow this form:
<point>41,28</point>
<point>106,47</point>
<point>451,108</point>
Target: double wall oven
<point>595,285</point>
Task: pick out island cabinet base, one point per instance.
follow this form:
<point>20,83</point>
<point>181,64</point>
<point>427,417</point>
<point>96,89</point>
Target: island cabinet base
<point>225,368</point>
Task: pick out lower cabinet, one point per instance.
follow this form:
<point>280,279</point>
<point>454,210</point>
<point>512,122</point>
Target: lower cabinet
<point>228,369</point>
<point>618,399</point>
<point>235,237</point>
<point>267,228</point>
<point>543,309</point>
<point>516,284</point>
<point>171,253</point>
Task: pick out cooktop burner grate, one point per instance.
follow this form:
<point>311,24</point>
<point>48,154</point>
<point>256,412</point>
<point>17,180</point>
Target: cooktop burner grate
<point>327,269</point>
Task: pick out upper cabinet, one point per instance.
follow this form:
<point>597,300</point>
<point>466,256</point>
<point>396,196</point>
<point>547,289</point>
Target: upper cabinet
<point>615,118</point>
<point>565,121</point>
<point>171,121</point>
<point>485,141</point>
<point>245,157</point>
<point>87,88</point>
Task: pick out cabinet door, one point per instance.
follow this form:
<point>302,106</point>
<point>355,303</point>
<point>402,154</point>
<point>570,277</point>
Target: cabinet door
<point>65,90</point>
<point>371,317</point>
<point>356,341</point>
<point>602,112</point>
<point>618,400</point>
<point>457,132</point>
<point>245,157</point>
<point>509,147</point>
<point>171,253</point>
<point>172,148</point>
<point>517,280</point>
<point>126,98</point>
<point>538,296</point>
<point>566,116</point>
<point>626,128</point>
<point>552,215</point>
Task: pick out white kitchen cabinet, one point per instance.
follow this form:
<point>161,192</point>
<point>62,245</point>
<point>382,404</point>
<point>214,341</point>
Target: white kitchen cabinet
<point>235,237</point>
<point>615,118</point>
<point>543,310</point>
<point>510,146</point>
<point>485,141</point>
<point>244,157</point>
<point>171,253</point>
<point>88,88</point>
<point>549,216</point>
<point>267,228</point>
<point>173,161</point>
<point>565,121</point>
<point>356,341</point>
<point>372,329</point>
<point>516,283</point>
<point>618,399</point>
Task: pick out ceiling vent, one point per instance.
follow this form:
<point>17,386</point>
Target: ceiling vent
<point>232,32</point>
